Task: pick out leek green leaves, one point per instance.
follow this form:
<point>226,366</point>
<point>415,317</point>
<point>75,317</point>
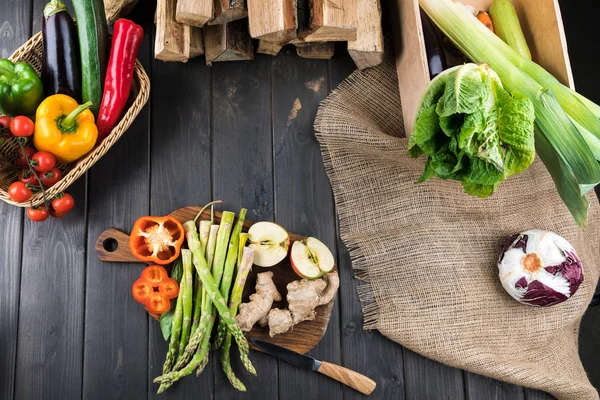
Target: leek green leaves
<point>473,130</point>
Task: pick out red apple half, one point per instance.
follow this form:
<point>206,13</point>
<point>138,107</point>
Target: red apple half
<point>311,259</point>
<point>270,243</point>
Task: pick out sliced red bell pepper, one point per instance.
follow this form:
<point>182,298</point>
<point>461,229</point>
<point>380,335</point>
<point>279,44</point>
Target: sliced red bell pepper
<point>154,289</point>
<point>156,240</point>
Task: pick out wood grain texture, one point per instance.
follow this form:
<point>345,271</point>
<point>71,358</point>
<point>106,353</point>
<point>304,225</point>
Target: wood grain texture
<point>428,379</point>
<point>15,29</point>
<point>273,21</point>
<point>228,42</point>
<point>116,337</point>
<point>332,20</point>
<point>180,175</point>
<point>194,12</point>
<point>270,48</point>
<point>367,49</point>
<point>318,51</point>
<point>350,378</point>
<point>243,177</point>
<point>172,41</point>
<point>196,42</point>
<point>481,387</point>
<point>531,394</point>
<point>303,198</point>
<point>228,11</point>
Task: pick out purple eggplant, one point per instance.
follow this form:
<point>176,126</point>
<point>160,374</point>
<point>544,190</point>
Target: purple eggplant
<point>436,58</point>
<point>61,68</point>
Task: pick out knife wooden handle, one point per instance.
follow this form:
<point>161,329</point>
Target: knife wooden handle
<point>348,377</point>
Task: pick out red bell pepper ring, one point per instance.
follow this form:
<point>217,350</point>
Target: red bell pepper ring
<point>127,36</point>
<point>155,289</point>
<point>156,240</point>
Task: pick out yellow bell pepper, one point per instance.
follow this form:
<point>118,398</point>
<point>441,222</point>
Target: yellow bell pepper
<point>64,128</point>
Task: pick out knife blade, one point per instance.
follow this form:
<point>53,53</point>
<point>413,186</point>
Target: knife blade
<point>343,375</point>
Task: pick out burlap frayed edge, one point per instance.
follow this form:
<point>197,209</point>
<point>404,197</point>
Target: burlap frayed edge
<point>366,294</point>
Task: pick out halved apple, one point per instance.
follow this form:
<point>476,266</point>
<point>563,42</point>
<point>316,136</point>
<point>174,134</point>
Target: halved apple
<point>270,243</point>
<point>311,259</point>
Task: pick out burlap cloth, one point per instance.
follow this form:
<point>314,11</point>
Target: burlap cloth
<point>427,252</point>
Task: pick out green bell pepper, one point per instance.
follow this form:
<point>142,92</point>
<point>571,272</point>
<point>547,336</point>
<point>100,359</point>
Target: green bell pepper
<point>21,89</point>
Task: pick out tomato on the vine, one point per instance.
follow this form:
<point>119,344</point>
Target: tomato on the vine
<point>63,203</point>
<point>38,214</point>
<point>55,214</point>
<point>5,126</point>
<point>22,126</point>
<point>43,161</point>
<point>50,178</point>
<point>22,158</point>
<point>28,178</point>
<point>19,192</point>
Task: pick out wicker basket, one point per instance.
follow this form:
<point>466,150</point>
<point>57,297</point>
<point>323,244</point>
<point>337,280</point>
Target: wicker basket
<point>31,52</point>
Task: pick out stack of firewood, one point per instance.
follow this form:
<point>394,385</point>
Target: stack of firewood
<point>223,30</point>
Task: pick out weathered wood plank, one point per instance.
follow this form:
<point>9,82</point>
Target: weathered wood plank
<point>303,199</point>
<point>228,42</point>
<point>228,10</point>
<point>116,334</point>
<point>531,394</point>
<point>180,172</point>
<point>367,49</point>
<point>194,12</point>
<point>272,21</point>
<point>270,48</point>
<point>14,30</point>
<point>172,41</point>
<point>243,177</point>
<point>481,387</point>
<point>332,20</point>
<point>365,351</point>
<point>428,379</point>
<point>319,51</point>
<point>196,42</point>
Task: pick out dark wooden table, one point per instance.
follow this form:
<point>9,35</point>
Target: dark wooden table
<point>69,328</point>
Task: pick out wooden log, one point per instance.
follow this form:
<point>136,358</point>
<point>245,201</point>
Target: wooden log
<point>367,49</point>
<point>115,9</point>
<point>322,51</point>
<point>332,20</point>
<point>270,48</point>
<point>228,42</point>
<point>274,21</point>
<point>196,42</point>
<point>303,18</point>
<point>194,12</point>
<point>172,38</point>
<point>228,11</point>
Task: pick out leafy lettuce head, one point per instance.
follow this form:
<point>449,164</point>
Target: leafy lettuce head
<point>472,130</point>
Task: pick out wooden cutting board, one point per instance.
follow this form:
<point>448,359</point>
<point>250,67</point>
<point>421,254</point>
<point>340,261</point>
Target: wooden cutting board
<point>113,246</point>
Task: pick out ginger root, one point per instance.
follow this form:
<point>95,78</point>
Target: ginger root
<point>257,309</point>
<point>303,297</point>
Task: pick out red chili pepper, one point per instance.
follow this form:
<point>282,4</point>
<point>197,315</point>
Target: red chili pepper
<point>127,37</point>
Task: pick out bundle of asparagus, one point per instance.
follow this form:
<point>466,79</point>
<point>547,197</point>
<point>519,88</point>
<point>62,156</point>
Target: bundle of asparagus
<point>215,254</point>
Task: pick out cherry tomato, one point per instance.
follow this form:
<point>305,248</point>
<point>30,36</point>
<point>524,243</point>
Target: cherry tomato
<point>22,159</point>
<point>5,126</point>
<point>21,126</point>
<point>50,178</point>
<point>169,288</point>
<point>43,161</point>
<point>28,178</point>
<point>38,214</point>
<point>157,303</point>
<point>141,290</point>
<point>55,214</point>
<point>154,274</point>
<point>19,192</point>
<point>63,204</point>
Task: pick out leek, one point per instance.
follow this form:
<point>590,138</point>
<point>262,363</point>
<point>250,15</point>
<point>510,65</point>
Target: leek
<point>558,110</point>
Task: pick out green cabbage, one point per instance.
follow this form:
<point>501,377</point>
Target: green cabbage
<point>472,130</point>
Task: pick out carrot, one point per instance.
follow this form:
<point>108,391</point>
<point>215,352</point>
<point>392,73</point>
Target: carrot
<point>486,20</point>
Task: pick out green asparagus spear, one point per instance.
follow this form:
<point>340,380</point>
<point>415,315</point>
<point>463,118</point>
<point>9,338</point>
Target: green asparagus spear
<point>204,234</point>
<point>222,244</point>
<point>187,295</point>
<point>175,332</point>
<point>232,255</point>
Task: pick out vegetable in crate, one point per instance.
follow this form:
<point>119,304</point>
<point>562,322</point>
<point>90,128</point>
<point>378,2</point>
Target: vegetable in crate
<point>507,26</point>
<point>64,128</point>
<point>61,66</point>
<point>473,130</point>
<point>127,37</point>
<point>539,268</point>
<point>21,89</point>
<point>156,239</point>
<point>93,40</point>
<point>154,289</point>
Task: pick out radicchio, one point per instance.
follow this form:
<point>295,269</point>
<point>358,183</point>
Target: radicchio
<point>539,268</point>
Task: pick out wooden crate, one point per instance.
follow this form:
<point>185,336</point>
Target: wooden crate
<point>541,22</point>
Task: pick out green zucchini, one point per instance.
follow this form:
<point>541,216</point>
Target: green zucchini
<point>94,45</point>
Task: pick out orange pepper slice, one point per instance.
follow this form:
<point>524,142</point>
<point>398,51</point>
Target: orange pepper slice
<point>156,240</point>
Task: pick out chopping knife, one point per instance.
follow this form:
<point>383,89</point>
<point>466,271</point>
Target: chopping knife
<point>343,375</point>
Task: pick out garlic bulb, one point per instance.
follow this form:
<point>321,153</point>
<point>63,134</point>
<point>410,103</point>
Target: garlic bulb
<point>539,268</point>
